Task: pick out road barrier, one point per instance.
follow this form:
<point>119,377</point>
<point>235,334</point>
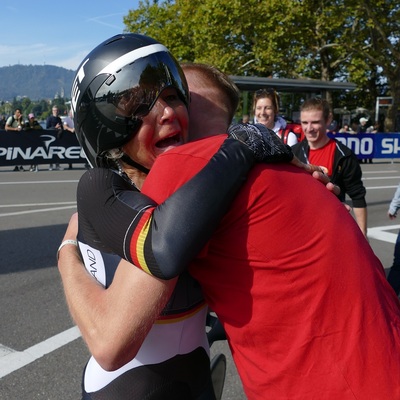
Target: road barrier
<point>372,145</point>
<point>39,147</point>
<point>51,146</point>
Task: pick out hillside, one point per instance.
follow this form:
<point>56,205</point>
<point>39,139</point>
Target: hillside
<point>35,81</point>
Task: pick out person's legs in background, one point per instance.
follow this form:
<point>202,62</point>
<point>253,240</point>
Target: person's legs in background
<point>394,273</point>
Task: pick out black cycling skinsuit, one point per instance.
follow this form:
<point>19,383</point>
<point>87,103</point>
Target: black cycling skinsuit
<point>173,361</point>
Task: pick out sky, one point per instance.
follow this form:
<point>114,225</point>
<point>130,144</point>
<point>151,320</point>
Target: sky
<point>57,33</point>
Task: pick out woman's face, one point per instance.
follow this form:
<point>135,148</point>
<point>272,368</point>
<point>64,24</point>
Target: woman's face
<point>265,112</point>
<point>163,128</point>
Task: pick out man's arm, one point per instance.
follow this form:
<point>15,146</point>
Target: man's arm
<point>355,189</point>
<point>68,128</point>
<point>360,214</point>
<point>394,204</point>
<point>113,322</point>
<point>9,127</point>
<point>323,178</point>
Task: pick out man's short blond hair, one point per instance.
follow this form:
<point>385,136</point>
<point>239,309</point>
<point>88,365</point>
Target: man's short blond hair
<point>217,80</point>
<point>317,103</point>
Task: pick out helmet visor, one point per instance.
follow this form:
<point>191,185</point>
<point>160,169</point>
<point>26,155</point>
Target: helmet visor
<point>131,92</point>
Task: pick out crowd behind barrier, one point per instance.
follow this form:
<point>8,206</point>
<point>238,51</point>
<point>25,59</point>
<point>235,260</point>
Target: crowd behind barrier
<point>50,146</point>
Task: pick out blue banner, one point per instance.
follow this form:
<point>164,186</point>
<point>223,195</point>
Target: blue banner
<point>371,145</point>
<point>39,147</point>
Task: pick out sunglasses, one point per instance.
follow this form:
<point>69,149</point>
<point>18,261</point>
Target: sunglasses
<point>261,92</point>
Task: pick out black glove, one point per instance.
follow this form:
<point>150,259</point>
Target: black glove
<point>263,142</point>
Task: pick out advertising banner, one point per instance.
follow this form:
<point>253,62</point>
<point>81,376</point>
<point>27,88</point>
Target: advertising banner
<point>50,146</point>
<point>39,147</point>
<point>371,145</point>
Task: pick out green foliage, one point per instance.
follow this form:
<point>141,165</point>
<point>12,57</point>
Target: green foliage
<point>330,40</point>
<point>41,108</point>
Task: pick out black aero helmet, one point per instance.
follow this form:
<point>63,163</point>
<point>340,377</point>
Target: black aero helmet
<point>115,86</point>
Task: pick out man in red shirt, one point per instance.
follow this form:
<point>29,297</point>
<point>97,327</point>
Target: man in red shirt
<point>339,161</point>
<point>303,299</point>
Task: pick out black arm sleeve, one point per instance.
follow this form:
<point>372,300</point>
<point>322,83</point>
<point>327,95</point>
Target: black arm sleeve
<point>162,239</point>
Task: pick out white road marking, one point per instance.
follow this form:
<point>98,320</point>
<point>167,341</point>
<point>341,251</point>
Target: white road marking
<point>37,204</point>
<point>37,211</point>
<point>380,233</point>
<point>381,178</point>
<point>392,171</point>
<point>11,360</point>
<point>380,187</point>
<point>35,182</point>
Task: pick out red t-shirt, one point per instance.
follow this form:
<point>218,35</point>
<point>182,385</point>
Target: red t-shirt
<point>302,297</point>
<point>324,156</point>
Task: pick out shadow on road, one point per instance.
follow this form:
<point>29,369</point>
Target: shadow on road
<point>30,248</point>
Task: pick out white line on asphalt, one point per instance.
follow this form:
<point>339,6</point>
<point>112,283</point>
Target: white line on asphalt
<point>37,211</point>
<point>380,187</point>
<point>381,178</point>
<point>37,204</point>
<point>380,233</point>
<point>15,360</point>
<point>30,182</point>
<point>380,172</point>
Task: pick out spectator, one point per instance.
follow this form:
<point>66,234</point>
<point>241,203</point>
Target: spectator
<point>394,273</point>
<point>376,128</point>
<point>3,122</point>
<point>31,124</point>
<point>69,126</point>
<point>364,127</point>
<point>16,123</point>
<point>346,129</point>
<point>339,161</point>
<point>266,110</point>
<point>54,122</point>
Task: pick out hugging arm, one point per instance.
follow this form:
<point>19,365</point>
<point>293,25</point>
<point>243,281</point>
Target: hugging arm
<point>163,239</point>
<point>113,322</point>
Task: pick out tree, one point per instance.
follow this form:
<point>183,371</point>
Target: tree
<point>233,35</point>
<point>372,34</point>
<point>329,40</point>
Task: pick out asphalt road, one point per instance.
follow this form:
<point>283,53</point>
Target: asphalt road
<point>41,353</point>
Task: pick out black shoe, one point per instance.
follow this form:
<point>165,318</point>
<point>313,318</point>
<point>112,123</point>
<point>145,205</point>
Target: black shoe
<point>16,168</point>
<point>21,168</point>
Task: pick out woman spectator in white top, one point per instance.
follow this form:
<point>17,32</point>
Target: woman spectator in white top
<point>266,110</point>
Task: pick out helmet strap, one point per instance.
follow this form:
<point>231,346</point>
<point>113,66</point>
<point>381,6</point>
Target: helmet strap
<point>125,158</point>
